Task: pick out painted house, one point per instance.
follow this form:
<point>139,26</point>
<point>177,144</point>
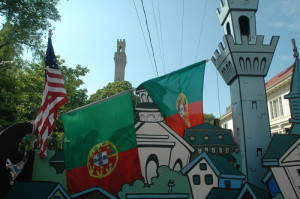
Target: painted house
<point>278,107</point>
<point>271,183</point>
<point>95,192</point>
<point>37,190</point>
<point>158,196</point>
<point>158,144</point>
<point>210,170</point>
<point>282,158</point>
<point>210,138</point>
<point>248,191</point>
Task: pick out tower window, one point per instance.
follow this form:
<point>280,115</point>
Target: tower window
<point>259,152</point>
<point>244,26</point>
<point>228,29</point>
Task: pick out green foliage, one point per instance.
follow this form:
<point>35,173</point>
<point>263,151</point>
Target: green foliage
<point>27,21</point>
<point>8,51</point>
<point>22,91</point>
<point>209,118</point>
<point>59,136</point>
<point>160,184</point>
<point>115,88</point>
<point>111,89</point>
<point>27,142</point>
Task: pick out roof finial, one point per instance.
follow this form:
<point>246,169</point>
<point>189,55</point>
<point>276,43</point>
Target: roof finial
<point>296,54</point>
<point>50,33</point>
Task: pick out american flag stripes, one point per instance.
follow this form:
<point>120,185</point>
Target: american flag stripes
<point>54,96</point>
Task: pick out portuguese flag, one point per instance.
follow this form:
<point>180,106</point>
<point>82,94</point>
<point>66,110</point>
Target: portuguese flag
<point>179,96</point>
<point>100,145</point>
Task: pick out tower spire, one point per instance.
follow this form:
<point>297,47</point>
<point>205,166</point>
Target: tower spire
<point>294,95</point>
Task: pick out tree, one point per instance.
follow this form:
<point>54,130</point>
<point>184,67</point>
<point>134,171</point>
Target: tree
<point>110,89</point>
<point>209,118</point>
<point>115,88</point>
<point>160,184</point>
<point>22,91</point>
<point>25,23</point>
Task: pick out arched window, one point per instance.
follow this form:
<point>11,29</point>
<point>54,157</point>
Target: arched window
<point>151,167</point>
<point>244,26</point>
<point>177,165</point>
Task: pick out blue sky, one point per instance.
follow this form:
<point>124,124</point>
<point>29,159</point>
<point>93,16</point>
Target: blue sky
<point>88,31</point>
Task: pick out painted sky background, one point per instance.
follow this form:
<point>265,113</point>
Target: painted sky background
<point>88,31</point>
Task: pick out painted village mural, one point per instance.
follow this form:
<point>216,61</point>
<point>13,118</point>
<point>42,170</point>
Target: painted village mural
<point>105,154</point>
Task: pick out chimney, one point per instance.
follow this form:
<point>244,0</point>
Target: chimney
<point>171,185</point>
<point>216,122</point>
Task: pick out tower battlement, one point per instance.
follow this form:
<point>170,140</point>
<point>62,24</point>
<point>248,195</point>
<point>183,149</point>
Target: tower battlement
<point>121,42</point>
<point>244,59</point>
<point>235,5</point>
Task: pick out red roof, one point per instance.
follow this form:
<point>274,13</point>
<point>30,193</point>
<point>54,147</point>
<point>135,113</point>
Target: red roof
<point>279,76</point>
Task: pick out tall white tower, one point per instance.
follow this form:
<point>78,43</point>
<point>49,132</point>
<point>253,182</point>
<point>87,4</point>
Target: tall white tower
<point>120,60</point>
<point>243,63</point>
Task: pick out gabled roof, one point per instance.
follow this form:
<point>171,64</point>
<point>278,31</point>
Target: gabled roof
<point>58,157</point>
<point>86,193</point>
<point>163,131</point>
<point>158,196</point>
<point>213,131</point>
<point>206,126</point>
<point>219,164</point>
<point>279,144</point>
<point>279,76</point>
<point>254,191</point>
<point>35,190</point>
<point>216,192</point>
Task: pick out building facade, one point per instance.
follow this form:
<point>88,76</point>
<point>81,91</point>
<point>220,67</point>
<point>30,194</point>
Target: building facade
<point>278,107</point>
<point>210,138</point>
<point>210,170</point>
<point>158,144</point>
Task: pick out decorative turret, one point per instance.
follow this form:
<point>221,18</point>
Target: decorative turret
<point>147,110</point>
<point>120,60</point>
<point>238,18</point>
<point>243,63</point>
<point>245,58</point>
<point>294,95</point>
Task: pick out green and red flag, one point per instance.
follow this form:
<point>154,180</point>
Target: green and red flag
<point>100,145</point>
<point>179,96</point>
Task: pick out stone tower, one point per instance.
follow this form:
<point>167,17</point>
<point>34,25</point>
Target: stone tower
<point>243,63</point>
<point>120,60</point>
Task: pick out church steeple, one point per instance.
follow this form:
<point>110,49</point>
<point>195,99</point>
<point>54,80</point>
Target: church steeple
<point>120,60</point>
<point>294,95</point>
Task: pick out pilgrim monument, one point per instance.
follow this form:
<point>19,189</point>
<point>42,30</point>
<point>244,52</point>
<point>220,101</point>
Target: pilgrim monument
<point>120,60</point>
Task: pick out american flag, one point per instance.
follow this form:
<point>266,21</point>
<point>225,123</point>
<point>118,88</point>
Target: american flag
<point>54,96</point>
